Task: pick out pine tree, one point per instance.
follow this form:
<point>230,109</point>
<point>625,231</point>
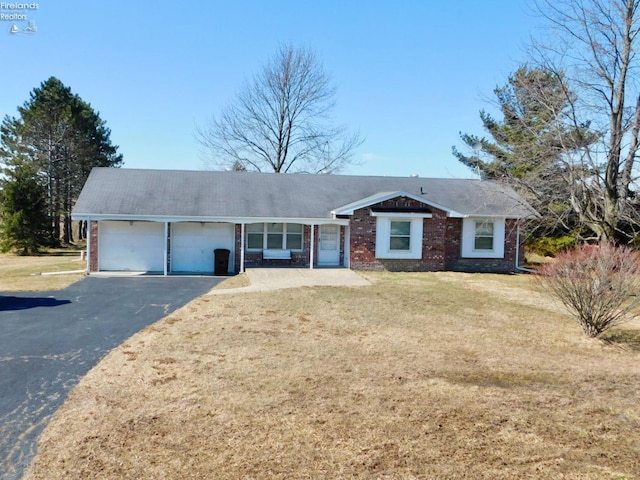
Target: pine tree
<point>527,148</point>
<point>23,215</point>
<point>63,137</point>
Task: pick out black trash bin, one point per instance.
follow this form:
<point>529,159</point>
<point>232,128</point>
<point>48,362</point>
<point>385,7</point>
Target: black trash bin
<point>221,261</point>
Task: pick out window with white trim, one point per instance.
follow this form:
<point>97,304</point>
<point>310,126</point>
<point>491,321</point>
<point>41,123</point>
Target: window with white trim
<point>484,236</point>
<point>275,235</point>
<point>399,237</point>
<point>286,236</point>
<point>255,236</point>
<point>294,236</point>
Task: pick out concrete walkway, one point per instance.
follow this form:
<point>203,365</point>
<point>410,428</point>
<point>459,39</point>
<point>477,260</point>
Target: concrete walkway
<point>265,279</point>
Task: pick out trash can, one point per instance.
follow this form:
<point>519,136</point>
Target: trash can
<point>221,261</point>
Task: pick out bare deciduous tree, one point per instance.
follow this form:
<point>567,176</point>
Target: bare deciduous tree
<point>281,121</point>
<point>594,46</point>
<point>599,284</point>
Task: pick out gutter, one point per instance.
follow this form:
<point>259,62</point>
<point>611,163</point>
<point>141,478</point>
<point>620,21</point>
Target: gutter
<point>517,265</point>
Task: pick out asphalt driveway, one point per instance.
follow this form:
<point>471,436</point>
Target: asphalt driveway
<point>49,340</point>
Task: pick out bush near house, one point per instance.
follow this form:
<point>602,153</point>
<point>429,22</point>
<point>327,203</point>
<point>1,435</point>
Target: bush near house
<point>550,246</point>
<point>599,284</point>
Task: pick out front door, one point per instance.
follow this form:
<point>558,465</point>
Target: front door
<point>329,245</point>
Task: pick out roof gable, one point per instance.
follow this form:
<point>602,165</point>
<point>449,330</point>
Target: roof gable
<point>383,196</point>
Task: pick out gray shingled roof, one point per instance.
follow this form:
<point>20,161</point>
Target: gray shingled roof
<point>125,192</point>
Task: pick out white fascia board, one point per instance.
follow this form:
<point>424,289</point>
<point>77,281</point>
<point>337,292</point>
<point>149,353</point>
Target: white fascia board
<point>401,215</point>
<point>454,214</point>
<point>235,220</point>
<point>304,221</point>
<point>505,216</point>
<point>482,215</point>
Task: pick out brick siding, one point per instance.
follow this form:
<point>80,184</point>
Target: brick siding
<point>93,245</point>
<point>363,241</point>
<point>454,262</point>
<point>441,244</point>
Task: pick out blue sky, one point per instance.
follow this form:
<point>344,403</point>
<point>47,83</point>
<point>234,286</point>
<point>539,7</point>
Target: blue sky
<point>410,74</point>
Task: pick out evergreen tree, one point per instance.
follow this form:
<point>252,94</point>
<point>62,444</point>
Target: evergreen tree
<point>63,137</point>
<point>528,147</point>
<point>23,215</point>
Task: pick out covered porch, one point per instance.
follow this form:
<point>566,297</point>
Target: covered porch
<point>295,243</point>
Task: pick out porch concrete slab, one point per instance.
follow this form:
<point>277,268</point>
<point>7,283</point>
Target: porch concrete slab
<point>265,279</point>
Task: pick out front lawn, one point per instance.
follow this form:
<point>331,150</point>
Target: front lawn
<point>435,376</point>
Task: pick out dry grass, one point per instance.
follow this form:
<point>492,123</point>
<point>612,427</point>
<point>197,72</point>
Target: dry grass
<point>237,281</point>
<point>19,274</point>
<point>434,376</point>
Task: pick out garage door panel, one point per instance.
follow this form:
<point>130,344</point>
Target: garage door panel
<point>192,245</point>
<point>131,246</point>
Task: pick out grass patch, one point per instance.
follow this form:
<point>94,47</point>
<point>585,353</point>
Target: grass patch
<point>435,376</point>
<point>23,273</point>
<point>624,336</point>
<point>237,281</point>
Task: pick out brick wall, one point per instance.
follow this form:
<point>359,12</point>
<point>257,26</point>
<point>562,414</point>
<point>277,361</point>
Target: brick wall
<point>236,248</point>
<point>441,244</point>
<point>93,245</point>
<point>454,262</point>
<point>363,241</point>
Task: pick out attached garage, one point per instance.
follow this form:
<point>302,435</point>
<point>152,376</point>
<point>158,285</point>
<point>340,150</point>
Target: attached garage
<point>131,246</point>
<point>193,243</point>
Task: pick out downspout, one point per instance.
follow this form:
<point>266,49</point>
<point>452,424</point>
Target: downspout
<point>517,265</point>
<point>242,247</point>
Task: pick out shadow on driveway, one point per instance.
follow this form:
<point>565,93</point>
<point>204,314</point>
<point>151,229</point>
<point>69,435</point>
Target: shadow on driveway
<point>23,303</point>
<point>49,340</point>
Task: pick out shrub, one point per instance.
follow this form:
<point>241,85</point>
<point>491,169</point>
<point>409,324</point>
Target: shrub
<point>597,283</point>
<point>550,246</point>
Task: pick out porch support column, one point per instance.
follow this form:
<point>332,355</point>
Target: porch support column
<point>166,247</point>
<point>347,247</point>
<point>242,248</point>
<point>89,246</point>
<point>313,242</point>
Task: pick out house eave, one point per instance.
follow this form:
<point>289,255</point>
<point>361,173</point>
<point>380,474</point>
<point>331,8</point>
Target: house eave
<point>492,215</point>
<point>207,219</point>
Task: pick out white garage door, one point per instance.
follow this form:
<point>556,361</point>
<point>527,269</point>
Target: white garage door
<point>192,245</point>
<point>131,246</point>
